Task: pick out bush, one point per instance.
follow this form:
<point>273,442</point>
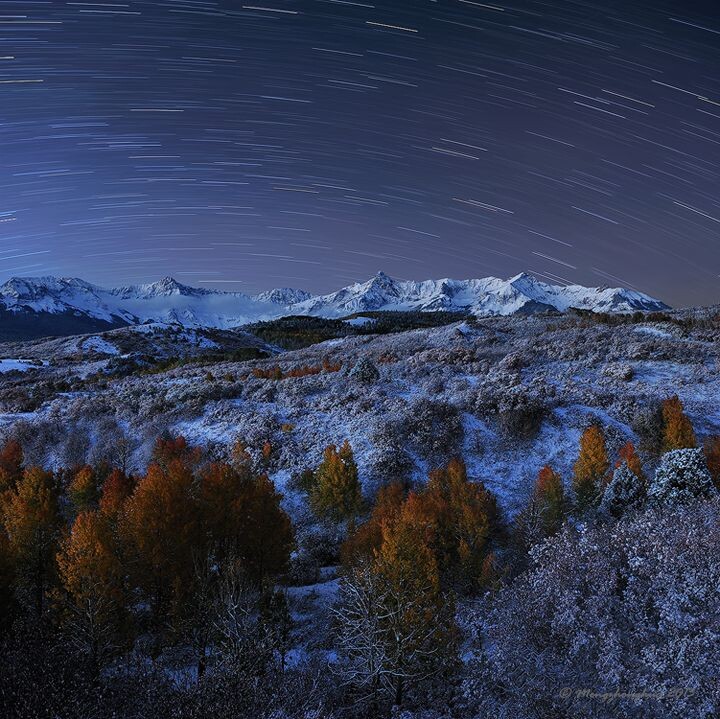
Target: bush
<point>434,429</point>
<point>630,608</point>
<point>681,477</point>
<point>364,371</point>
<point>522,417</point>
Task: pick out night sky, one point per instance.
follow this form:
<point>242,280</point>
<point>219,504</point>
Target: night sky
<point>311,143</point>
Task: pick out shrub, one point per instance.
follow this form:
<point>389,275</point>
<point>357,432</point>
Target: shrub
<point>628,608</point>
<point>364,371</point>
<point>521,417</point>
<point>434,429</point>
<point>681,477</point>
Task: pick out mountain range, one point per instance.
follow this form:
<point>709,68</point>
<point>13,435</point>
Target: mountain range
<point>41,306</point>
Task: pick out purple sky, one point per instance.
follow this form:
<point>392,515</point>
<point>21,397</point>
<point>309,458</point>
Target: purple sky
<point>310,143</point>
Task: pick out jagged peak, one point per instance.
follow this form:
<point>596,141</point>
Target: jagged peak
<point>523,276</point>
<point>282,296</point>
<point>167,284</point>
<point>166,287</point>
<point>32,286</point>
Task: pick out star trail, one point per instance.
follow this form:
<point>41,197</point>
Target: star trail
<point>313,142</point>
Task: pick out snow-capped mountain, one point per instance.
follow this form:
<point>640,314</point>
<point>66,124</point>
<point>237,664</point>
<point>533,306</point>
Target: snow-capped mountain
<point>483,297</point>
<point>50,305</point>
<point>283,296</point>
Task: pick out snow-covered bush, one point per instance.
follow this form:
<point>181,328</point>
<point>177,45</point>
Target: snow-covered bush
<point>618,371</point>
<point>624,492</point>
<point>681,477</point>
<point>615,621</point>
<point>433,429</point>
<point>520,415</point>
<point>389,460</point>
<point>648,425</point>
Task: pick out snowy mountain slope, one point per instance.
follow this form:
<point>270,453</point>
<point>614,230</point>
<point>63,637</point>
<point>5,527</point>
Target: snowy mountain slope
<point>482,297</point>
<point>283,296</point>
<point>73,303</point>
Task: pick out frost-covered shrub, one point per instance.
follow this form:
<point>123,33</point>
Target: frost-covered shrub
<point>639,351</point>
<point>624,492</point>
<point>618,371</point>
<point>389,459</point>
<point>433,429</point>
<point>681,477</point>
<point>615,621</point>
<point>648,424</point>
<point>513,362</point>
<point>520,416</point>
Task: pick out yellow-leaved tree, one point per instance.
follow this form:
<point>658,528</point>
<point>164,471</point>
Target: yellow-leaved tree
<point>678,431</point>
<point>93,578</point>
<point>395,625</point>
<point>335,492</point>
<point>33,523</point>
<point>590,472</point>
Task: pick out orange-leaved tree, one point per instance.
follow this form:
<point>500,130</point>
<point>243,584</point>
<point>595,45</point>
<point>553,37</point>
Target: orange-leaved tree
<point>244,521</point>
<point>628,454</point>
<point>160,525</point>
<point>396,627</point>
<point>33,523</point>
<point>549,495</point>
<point>336,490</point>
<point>678,431</point>
<point>590,472</point>
<point>115,490</point>
<point>84,489</point>
<point>461,517</point>
<point>168,449</point>
<point>368,537</point>
<point>92,575</point>
<point>11,465</point>
<point>712,457</point>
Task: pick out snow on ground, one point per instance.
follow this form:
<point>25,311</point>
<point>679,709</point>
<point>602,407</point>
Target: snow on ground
<point>18,365</point>
<point>10,418</point>
<point>655,331</point>
<point>470,371</point>
<point>99,345</point>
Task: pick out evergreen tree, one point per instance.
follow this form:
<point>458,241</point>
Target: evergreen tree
<point>624,491</point>
<point>681,477</point>
<point>277,620</point>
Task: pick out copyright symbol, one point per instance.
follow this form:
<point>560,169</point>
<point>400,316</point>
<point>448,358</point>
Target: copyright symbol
<point>566,693</point>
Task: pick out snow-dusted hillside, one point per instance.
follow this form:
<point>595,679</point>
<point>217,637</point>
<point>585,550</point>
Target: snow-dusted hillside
<point>77,302</point>
<point>507,393</point>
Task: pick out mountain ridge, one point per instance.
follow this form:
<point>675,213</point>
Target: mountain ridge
<point>170,301</point>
